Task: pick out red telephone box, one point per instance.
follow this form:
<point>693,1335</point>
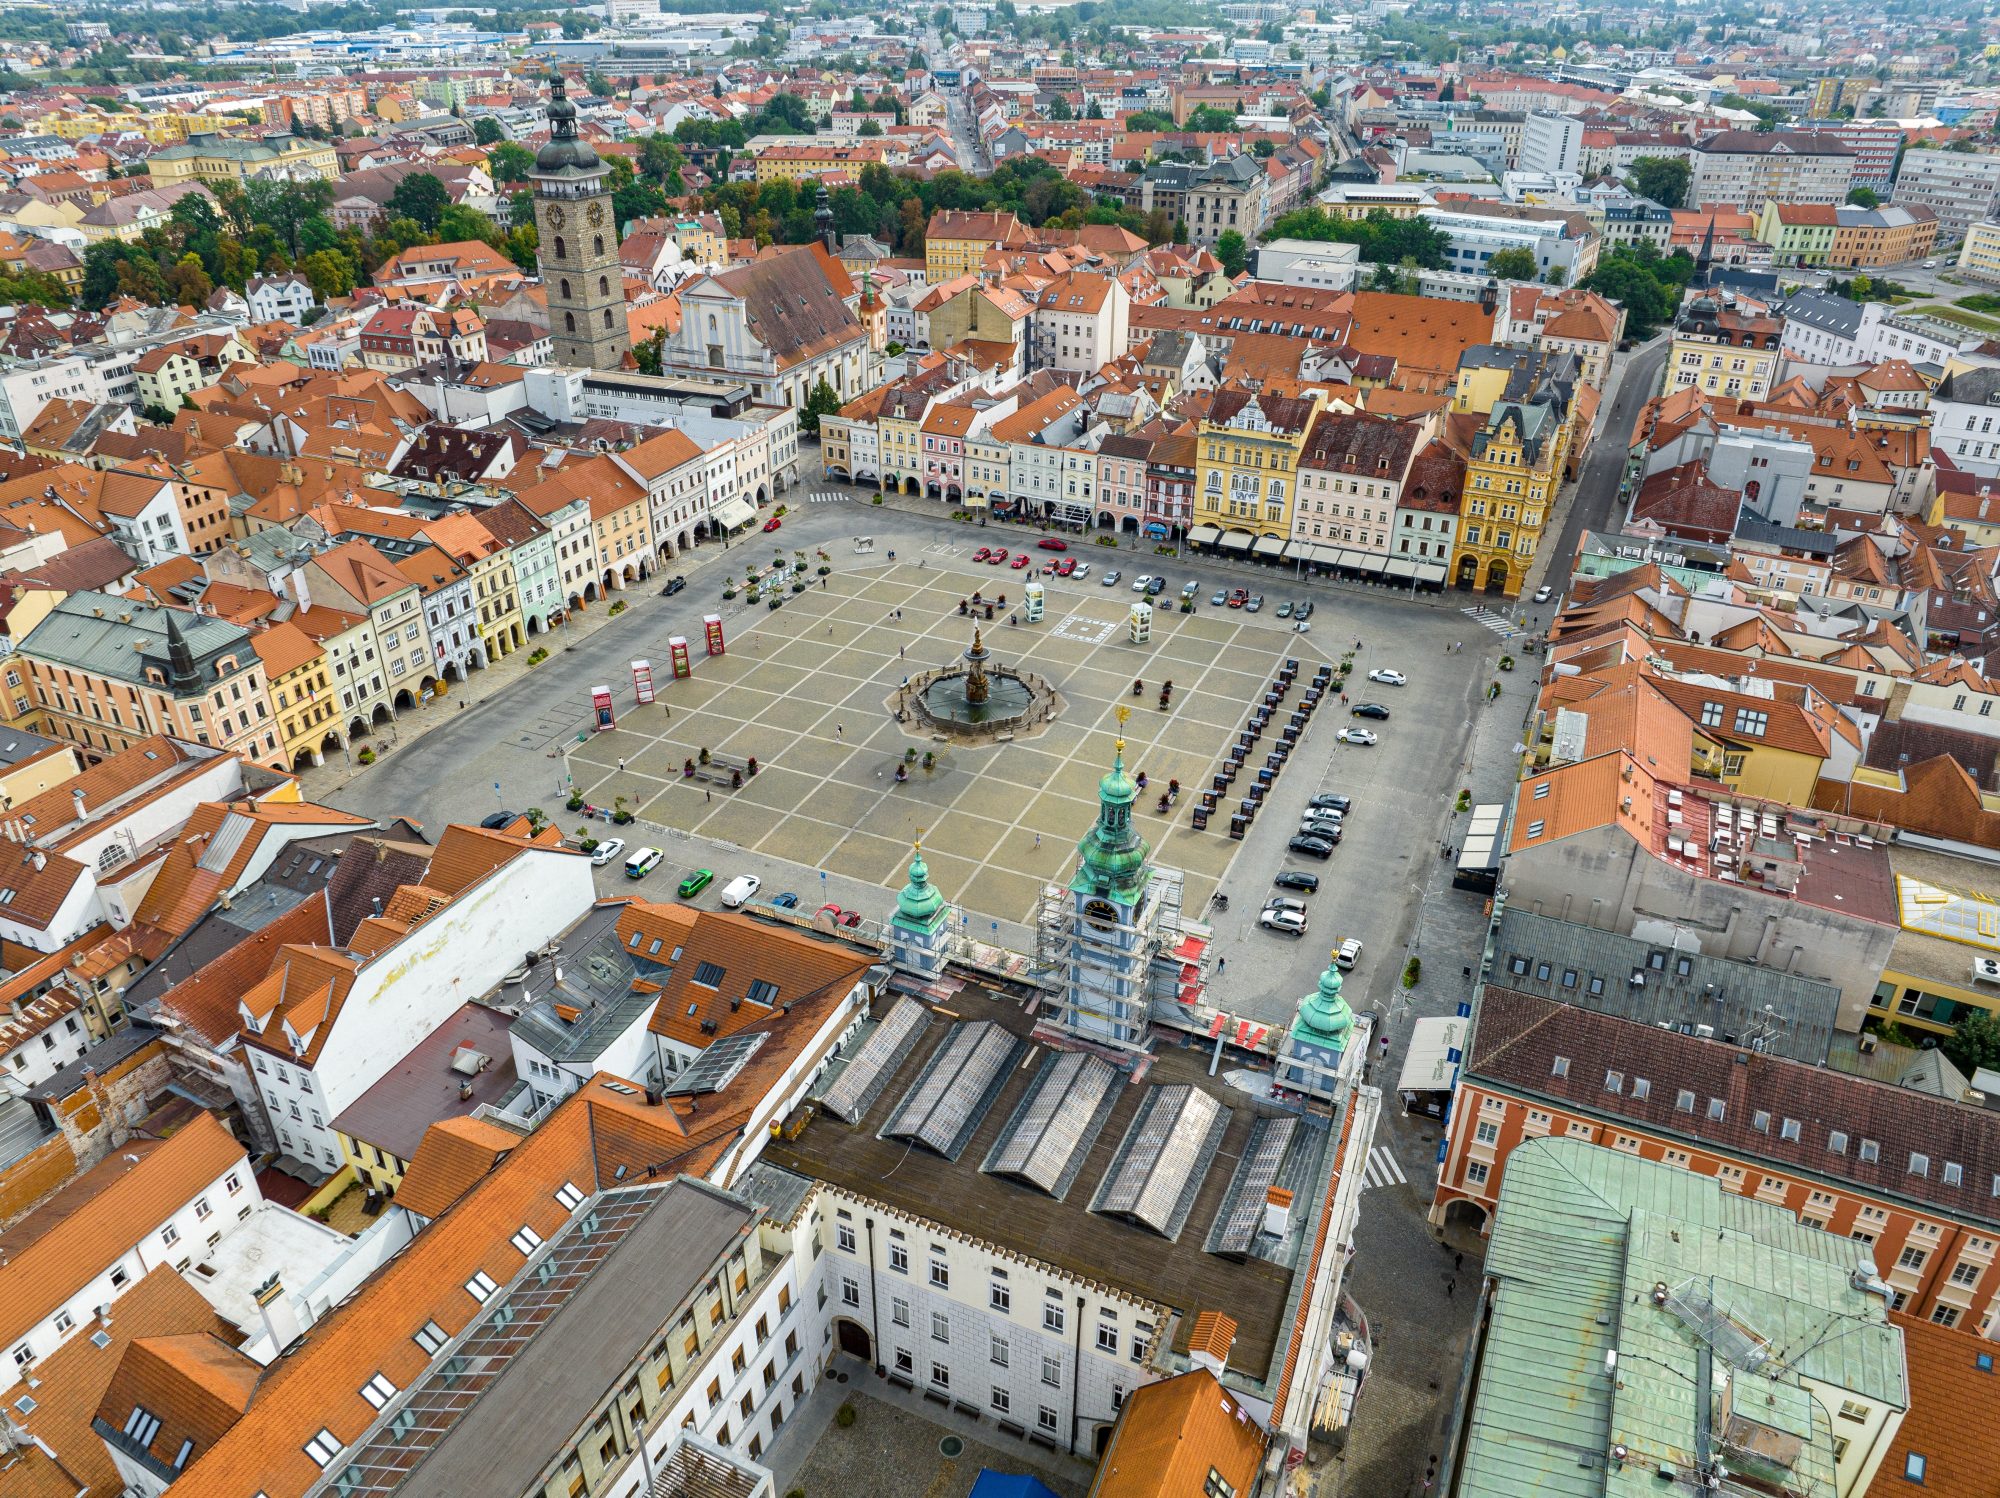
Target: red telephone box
<point>712,623</point>
<point>600,708</point>
<point>677,647</point>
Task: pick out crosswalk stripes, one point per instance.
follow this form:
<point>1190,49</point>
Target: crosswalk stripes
<point>1382,1170</point>
<point>1499,624</point>
<point>830,497</point>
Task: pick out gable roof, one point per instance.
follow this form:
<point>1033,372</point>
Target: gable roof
<point>793,303</point>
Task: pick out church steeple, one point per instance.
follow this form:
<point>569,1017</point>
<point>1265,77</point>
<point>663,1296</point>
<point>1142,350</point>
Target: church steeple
<point>823,220</point>
<point>182,675</point>
<point>1706,257</point>
<point>1114,855</point>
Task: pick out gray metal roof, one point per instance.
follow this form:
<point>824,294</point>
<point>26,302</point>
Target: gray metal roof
<point>1824,311</point>
<point>115,638</point>
<point>1678,988</point>
<point>594,974</point>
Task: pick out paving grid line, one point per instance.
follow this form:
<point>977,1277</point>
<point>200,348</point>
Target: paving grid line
<point>848,596</point>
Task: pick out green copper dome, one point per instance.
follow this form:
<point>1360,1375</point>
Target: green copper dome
<point>920,901</point>
<point>1324,1018</point>
<point>1114,855</point>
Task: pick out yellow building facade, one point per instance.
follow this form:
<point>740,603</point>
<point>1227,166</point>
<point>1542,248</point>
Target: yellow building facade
<point>1511,481</point>
<point>1247,463</point>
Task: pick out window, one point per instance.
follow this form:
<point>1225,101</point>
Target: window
<point>999,1352</point>
<point>850,1291</point>
<point>142,1425</point>
<point>481,1286</point>
<point>1684,1101</point>
<point>1614,1081</point>
<point>1912,1258</point>
<point>940,1274</point>
<point>378,1391</point>
<point>170,1235</point>
<point>1002,1401</point>
<point>999,1296</point>
<point>941,1375</point>
<point>1476,1172</point>
<point>1107,1337</point>
<point>1052,1371</point>
<point>1870,1151</point>
<point>899,1311</point>
<point>1945,1315</point>
<point>899,1257</point>
<point>1559,1067</point>
<point>1485,1132</point>
<point>527,1241</point>
<point>430,1336</point>
<point>322,1448</point>
<point>1046,1418</point>
<point>1836,1142</point>
<point>904,1362</point>
<point>1914,1466</point>
<point>843,1237</point>
<point>1052,1315</point>
<point>1716,1109</point>
<point>1217,1486</point>
<point>940,1327</point>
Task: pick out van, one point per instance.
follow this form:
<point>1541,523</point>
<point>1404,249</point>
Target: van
<point>739,889</point>
<point>642,863</point>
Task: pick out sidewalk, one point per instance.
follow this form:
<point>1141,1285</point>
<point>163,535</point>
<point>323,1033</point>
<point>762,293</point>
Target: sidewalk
<point>401,734</point>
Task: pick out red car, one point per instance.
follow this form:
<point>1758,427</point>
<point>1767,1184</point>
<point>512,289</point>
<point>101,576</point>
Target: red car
<point>999,556</point>
<point>1065,567</point>
<point>1239,597</point>
<point>1020,561</point>
<point>830,910</point>
<point>1050,543</point>
<point>773,523</point>
<point>982,554</point>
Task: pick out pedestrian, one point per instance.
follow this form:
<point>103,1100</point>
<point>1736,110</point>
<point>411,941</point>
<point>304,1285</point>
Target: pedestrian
<point>1385,1044</point>
<point>1457,1262</point>
<point>899,652</point>
<point>708,795</point>
<point>1038,840</point>
<point>1449,1286</point>
<point>1221,963</point>
<point>839,731</point>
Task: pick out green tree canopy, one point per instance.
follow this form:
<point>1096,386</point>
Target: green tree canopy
<point>1512,264</point>
<point>420,197</point>
<point>1975,1042</point>
<point>1664,179</point>
<point>821,401</point>
<point>1864,197</point>
<point>1232,252</point>
<point>510,162</point>
<point>486,131</point>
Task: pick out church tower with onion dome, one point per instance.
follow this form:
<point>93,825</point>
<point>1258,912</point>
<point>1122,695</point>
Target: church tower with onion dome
<point>579,245</point>
<point>918,929</point>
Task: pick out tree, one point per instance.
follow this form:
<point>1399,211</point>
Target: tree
<point>915,220</point>
<point>821,401</point>
<point>158,415</point>
<point>1159,227</point>
<point>1514,263</point>
<point>510,162</point>
<point>329,272</point>
<point>1975,1042</point>
<point>188,282</point>
<point>1231,251</point>
<point>459,224</point>
<point>870,128</point>
<point>1060,109</point>
<point>1148,122</point>
<point>1210,119</point>
<point>1664,179</point>
<point>574,26</point>
<point>1864,197</point>
<point>600,87</point>
<point>486,131</point>
<point>419,197</point>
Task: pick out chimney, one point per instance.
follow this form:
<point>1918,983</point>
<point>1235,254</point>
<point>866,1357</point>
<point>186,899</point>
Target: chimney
<point>41,860</point>
<point>82,808</point>
<point>1277,1211</point>
<point>281,1321</point>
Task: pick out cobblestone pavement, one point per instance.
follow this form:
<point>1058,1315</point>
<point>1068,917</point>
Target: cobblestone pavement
<point>892,1448</point>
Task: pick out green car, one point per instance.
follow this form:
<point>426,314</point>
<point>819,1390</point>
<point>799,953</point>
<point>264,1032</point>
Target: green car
<point>696,882</point>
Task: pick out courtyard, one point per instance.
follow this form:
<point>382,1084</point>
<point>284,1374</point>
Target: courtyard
<point>807,690</point>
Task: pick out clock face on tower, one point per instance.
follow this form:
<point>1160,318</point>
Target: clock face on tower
<point>556,216</point>
<point>595,213</point>
<point>1100,913</point>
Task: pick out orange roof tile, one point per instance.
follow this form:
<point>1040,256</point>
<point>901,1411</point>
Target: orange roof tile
<point>1173,1433</point>
<point>454,1154</point>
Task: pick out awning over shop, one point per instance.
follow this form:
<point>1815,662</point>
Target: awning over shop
<point>1402,567</point>
<point>1203,535</point>
<point>1268,546</point>
<point>1431,572</point>
<point>734,514</point>
<point>1366,561</point>
<point>1322,556</point>
<point>1236,541</point>
<point>1297,551</point>
<point>1338,557</point>
<point>1430,1061</point>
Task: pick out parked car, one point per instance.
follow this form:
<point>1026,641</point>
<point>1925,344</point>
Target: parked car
<point>1021,560</point>
<point>1304,610</point>
<point>982,554</point>
<point>1111,578</point>
<point>1142,583</point>
<point>1333,802</point>
<point>498,820</point>
<point>1312,847</point>
<point>1349,952</point>
<point>1362,736</point>
<point>739,889</point>
<point>607,851</point>
<point>773,523</point>
<point>786,901</point>
<point>1388,678</point>
<point>642,863</point>
<point>1051,543</point>
<point>1544,593</point>
<point>1285,609</point>
<point>996,556</point>
<point>1082,569</point>
<point>1284,922</point>
<point>1297,879</point>
<point>695,883</point>
<point>1189,590</point>
<point>1285,902</point>
<point>1066,567</point>
<point>1156,587</point>
<point>1373,710</point>
<point>1219,598</point>
<point>1321,827</point>
<point>1255,605</point>
<point>674,585</point>
<point>834,912</point>
<point>1238,597</point>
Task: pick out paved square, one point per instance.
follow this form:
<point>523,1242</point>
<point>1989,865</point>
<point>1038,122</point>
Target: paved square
<point>805,690</point>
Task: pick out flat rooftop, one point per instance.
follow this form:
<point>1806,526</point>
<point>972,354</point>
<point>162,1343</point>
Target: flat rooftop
<point>1116,1250</point>
<point>1790,853</point>
<point>271,1240</point>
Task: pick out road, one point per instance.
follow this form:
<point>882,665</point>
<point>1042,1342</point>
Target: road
<point>965,142</point>
<point>1593,501</point>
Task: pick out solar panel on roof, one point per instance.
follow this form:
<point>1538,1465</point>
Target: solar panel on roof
<point>945,1104</point>
<point>718,1065</point>
<point>1050,1133</point>
<point>861,1081</point>
<point>1161,1160</point>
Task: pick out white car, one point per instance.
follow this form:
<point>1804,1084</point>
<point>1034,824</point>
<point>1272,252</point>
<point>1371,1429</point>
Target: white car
<point>1285,922</point>
<point>739,889</point>
<point>607,851</point>
<point>1349,953</point>
<point>1082,571</point>
<point>1544,593</point>
<point>1362,736</point>
<point>1388,678</point>
<point>1141,583</point>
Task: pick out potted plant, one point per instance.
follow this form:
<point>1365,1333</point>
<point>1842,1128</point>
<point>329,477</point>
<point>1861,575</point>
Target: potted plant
<point>930,759</point>
<point>704,756</point>
<point>575,802</point>
<point>1506,663</point>
<point>366,757</point>
<point>618,812</point>
<point>910,755</point>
